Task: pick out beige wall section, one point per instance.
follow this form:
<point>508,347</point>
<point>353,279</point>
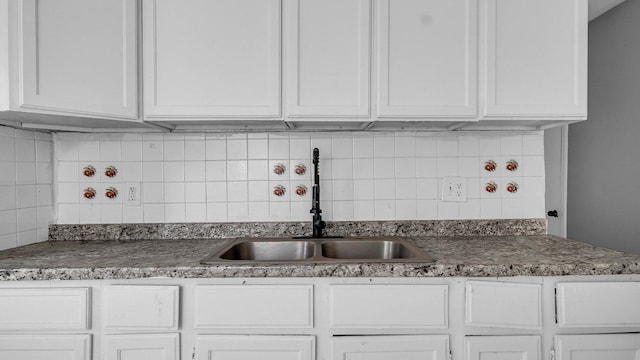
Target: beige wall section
<point>604,152</point>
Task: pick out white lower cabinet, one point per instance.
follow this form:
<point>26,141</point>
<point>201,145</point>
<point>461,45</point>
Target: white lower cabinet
<point>598,347</point>
<point>405,347</point>
<point>502,348</point>
<point>39,347</point>
<point>142,347</point>
<point>241,347</point>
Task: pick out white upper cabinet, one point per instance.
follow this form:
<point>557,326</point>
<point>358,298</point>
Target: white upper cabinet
<point>327,64</point>
<point>77,57</point>
<point>427,58</point>
<point>535,58</point>
<point>209,59</point>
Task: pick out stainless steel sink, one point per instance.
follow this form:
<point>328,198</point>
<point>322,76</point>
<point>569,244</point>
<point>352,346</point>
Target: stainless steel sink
<point>366,249</point>
<point>288,250</point>
<point>270,250</point>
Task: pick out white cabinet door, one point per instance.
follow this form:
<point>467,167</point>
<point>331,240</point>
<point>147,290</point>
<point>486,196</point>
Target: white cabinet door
<point>502,348</point>
<point>427,62</point>
<point>39,347</point>
<point>598,347</point>
<point>211,59</point>
<point>535,58</point>
<point>221,347</point>
<point>78,57</point>
<point>328,57</point>
<point>142,347</point>
<point>432,347</point>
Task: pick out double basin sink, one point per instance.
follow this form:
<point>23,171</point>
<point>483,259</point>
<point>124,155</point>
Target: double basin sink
<point>328,250</point>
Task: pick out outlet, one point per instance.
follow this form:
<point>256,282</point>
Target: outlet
<point>454,189</point>
<point>133,194</point>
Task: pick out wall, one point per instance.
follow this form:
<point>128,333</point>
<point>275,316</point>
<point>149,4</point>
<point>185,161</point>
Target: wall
<point>604,152</point>
<point>229,177</point>
<point>26,173</point>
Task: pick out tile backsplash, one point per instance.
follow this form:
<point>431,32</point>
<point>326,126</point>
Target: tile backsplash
<point>207,177</point>
<point>26,190</point>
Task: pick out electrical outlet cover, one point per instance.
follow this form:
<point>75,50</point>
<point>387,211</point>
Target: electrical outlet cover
<point>454,189</point>
<point>132,194</point>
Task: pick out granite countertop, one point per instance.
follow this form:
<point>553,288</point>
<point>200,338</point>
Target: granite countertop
<point>468,256</point>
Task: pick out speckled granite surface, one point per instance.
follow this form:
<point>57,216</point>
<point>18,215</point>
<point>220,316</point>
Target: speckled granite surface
<point>272,229</point>
<point>469,256</point>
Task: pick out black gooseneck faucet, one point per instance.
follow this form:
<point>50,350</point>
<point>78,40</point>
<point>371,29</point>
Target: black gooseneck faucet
<point>318,224</point>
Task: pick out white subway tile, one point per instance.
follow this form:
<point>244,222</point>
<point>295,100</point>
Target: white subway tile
<point>236,149</point>
<point>343,210</point>
<point>25,150</point>
<point>236,170</point>
<point>384,168</point>
<point>427,188</point>
<point>468,167</point>
<point>470,209</point>
<point>216,170</point>
<point>8,241</point>
<point>131,150</point>
<point>474,187</point>
<point>110,151</point>
<point>258,170</point>
<point>174,193</point>
<point>511,145</point>
<point>44,151</point>
<point>363,168</point>
<point>426,167</point>
<point>427,209</point>
<point>26,196</point>
<point>278,148</point>
<point>448,210</point>
<point>385,189</point>
<point>342,169</point>
<point>533,166</point>
<point>259,211</point>
<point>8,173</point>
<point>364,210</point>
<point>405,146</point>
<point>217,212</point>
<point>405,168</point>
<point>7,197</point>
<point>44,216</point>
<point>258,149</point>
<point>153,193</point>
<point>533,144</point>
<point>426,146</point>
<point>447,146</point>
<point>342,147</point>
<point>512,208</point>
<point>406,189</point>
<point>153,213</point>
<point>7,148</point>
<point>258,191</point>
<point>8,222</point>
<point>152,150</point>
<point>44,173</point>
<point>27,237</point>
<point>26,173</point>
<point>490,208</point>
<point>175,213</point>
<point>173,171</point>
<point>217,192</point>
<point>300,148</point>
<point>363,147</point>
<point>300,211</point>
<point>195,171</point>
<point>132,214</point>
<point>111,214</point>
<point>195,149</point>
<point>280,210</point>
<point>363,189</point>
<point>447,167</point>
<point>173,150</point>
<point>90,213</point>
<point>66,150</point>
<point>216,149</point>
<point>152,171</point>
<point>385,209</point>
<point>406,209</point>
<point>342,190</point>
<point>384,146</point>
<point>490,145</point>
<point>68,214</point>
<point>239,211</point>
<point>195,192</point>
<point>196,213</point>
<point>324,146</point>
<point>468,145</point>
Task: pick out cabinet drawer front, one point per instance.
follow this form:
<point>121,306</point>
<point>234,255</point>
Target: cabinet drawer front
<point>234,347</point>
<point>503,347</point>
<point>389,306</point>
<point>58,347</point>
<point>45,309</point>
<point>141,307</point>
<point>503,305</point>
<point>612,304</point>
<point>405,347</point>
<point>255,306</point>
